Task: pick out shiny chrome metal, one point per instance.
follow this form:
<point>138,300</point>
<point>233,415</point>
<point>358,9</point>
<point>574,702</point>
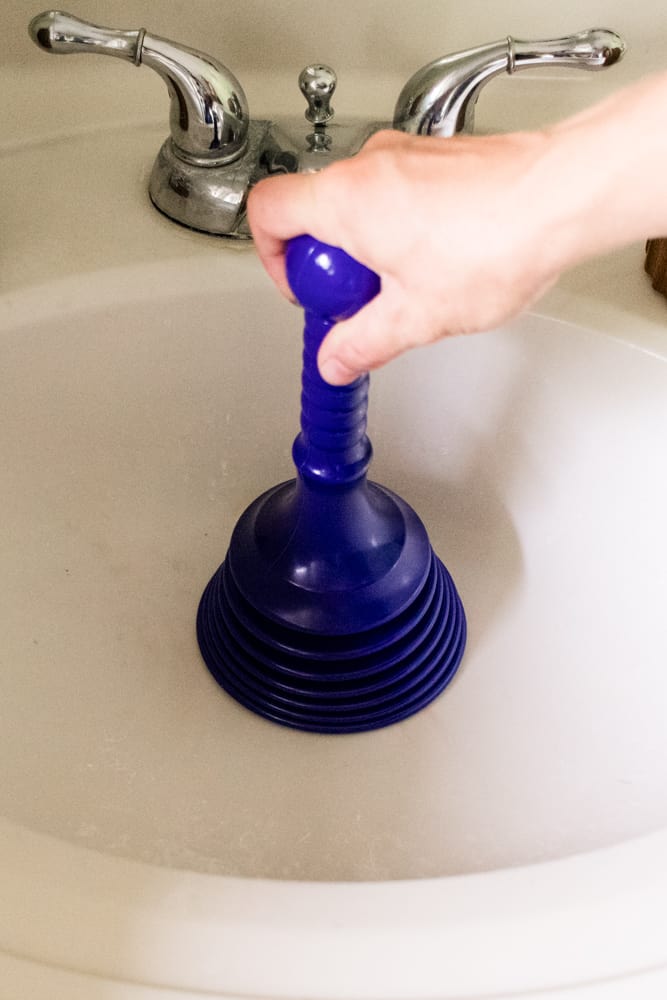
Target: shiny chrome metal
<point>295,146</point>
<point>203,171</point>
<point>215,154</point>
<point>209,112</point>
<point>60,33</point>
<point>317,84</point>
<point>440,98</point>
<point>209,198</point>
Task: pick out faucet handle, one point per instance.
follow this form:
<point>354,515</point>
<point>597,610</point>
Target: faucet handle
<point>592,50</point>
<point>209,113</point>
<point>62,34</point>
<point>440,98</point>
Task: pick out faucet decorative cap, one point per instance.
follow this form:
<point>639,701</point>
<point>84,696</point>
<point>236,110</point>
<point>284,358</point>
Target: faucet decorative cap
<point>317,84</point>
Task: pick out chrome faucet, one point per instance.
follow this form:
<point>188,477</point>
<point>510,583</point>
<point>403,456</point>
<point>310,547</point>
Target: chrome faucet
<point>440,98</point>
<point>215,152</point>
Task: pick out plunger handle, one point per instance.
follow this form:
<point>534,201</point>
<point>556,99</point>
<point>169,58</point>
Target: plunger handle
<point>327,281</point>
<point>332,449</point>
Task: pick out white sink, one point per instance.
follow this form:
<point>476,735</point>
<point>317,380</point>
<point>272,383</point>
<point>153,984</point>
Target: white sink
<point>158,840</point>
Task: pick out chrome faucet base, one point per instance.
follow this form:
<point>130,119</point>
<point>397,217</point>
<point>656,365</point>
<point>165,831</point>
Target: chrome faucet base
<point>295,146</point>
<point>213,200</point>
<point>208,199</point>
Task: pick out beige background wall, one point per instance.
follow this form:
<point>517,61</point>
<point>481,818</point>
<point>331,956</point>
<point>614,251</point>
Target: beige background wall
<point>383,36</point>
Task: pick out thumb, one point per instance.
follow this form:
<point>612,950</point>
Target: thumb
<point>379,332</point>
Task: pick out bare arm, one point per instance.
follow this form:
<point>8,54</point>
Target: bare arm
<point>466,232</point>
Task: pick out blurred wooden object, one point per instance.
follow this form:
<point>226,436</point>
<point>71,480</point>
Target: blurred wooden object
<point>655,263</point>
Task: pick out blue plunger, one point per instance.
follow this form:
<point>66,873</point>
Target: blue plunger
<point>331,612</point>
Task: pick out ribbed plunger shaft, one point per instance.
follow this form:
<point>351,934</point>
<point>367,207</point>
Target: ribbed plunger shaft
<point>333,447</point>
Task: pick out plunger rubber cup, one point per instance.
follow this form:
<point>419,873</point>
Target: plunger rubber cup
<point>331,612</point>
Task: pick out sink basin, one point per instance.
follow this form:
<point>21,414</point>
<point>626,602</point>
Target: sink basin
<point>135,431</point>
<point>143,409</point>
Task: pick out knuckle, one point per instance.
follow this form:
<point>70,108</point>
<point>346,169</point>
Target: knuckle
<point>354,353</point>
<point>382,140</point>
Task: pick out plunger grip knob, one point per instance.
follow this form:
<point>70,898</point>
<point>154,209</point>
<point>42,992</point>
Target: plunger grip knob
<point>326,281</point>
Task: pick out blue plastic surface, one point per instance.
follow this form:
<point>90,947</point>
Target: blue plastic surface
<point>331,612</point>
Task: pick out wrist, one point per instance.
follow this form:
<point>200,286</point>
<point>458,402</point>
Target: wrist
<point>606,170</point>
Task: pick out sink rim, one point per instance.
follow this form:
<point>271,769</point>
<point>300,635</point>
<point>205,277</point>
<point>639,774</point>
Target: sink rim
<point>202,932</point>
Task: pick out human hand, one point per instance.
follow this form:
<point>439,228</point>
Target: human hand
<point>468,231</point>
<point>461,232</point>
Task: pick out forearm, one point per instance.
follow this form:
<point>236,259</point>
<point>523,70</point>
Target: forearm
<point>608,169</point>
